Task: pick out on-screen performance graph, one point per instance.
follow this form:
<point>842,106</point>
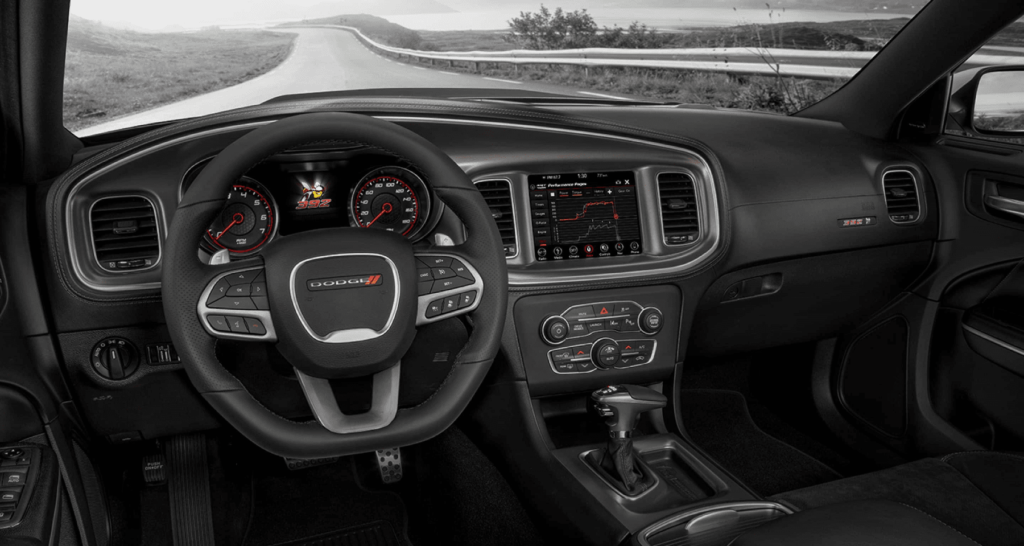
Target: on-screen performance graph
<point>584,215</point>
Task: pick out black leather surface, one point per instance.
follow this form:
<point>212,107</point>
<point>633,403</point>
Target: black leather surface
<point>184,277</point>
<point>857,523</point>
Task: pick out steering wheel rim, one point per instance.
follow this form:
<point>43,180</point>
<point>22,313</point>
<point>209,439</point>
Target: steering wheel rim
<point>185,277</point>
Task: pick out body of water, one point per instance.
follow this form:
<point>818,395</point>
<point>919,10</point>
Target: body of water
<point>659,18</point>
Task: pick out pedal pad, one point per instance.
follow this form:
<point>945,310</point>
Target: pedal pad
<point>389,462</point>
<point>188,485</point>
<point>154,471</point>
<point>299,464</point>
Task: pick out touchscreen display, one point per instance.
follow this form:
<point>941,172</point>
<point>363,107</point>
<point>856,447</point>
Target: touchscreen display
<point>584,215</point>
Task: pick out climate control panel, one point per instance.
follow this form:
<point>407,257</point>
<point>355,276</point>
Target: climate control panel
<point>570,342</point>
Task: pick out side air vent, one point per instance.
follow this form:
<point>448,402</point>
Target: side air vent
<point>680,218</point>
<point>498,195</point>
<point>124,233</point>
<point>901,197</point>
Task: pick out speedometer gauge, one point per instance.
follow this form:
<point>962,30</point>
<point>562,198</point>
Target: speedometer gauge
<point>247,221</point>
<point>393,199</point>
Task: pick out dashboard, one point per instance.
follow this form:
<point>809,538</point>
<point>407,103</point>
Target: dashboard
<point>633,237</point>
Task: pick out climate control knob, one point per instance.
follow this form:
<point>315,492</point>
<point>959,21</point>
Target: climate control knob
<point>605,353</point>
<point>554,330</point>
<point>651,320</point>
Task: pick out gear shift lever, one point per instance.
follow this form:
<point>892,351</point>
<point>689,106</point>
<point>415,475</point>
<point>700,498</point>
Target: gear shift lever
<point>621,406</point>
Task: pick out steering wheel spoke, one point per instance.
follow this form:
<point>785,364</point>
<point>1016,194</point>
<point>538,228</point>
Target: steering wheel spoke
<point>448,286</point>
<point>383,404</point>
<point>234,305</point>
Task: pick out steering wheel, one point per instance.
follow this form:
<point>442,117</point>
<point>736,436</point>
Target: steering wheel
<point>338,302</point>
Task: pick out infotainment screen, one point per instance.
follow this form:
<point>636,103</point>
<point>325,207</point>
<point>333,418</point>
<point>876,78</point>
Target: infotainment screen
<point>584,215</point>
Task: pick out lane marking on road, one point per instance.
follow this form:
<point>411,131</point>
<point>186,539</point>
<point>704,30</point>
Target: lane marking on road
<point>600,95</point>
<point>449,73</point>
<point>504,81</point>
<point>419,68</point>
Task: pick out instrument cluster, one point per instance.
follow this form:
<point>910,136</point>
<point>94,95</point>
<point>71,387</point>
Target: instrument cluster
<point>292,193</point>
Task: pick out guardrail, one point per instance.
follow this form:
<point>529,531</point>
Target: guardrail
<point>756,61</point>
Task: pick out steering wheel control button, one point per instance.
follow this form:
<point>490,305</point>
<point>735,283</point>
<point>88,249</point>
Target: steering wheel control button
<point>554,330</point>
<point>435,308</point>
<point>451,303</point>
<point>244,277</point>
<point>452,283</point>
<point>219,323</point>
<point>442,272</point>
<point>423,288</point>
<point>651,320</point>
<point>237,325</point>
<point>234,303</point>
<point>423,275</point>
<point>219,291</point>
<point>461,270</point>
<point>466,299</point>
<point>259,289</point>
<point>436,261</point>
<point>239,290</point>
<point>255,327</point>
<point>261,303</point>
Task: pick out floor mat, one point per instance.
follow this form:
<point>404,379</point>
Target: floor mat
<point>379,533</point>
<point>720,423</point>
<point>323,505</point>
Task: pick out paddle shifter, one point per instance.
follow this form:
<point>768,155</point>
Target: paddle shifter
<point>621,406</point>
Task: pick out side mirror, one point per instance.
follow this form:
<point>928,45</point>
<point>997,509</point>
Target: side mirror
<point>999,102</point>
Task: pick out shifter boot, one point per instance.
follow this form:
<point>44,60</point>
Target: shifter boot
<point>617,461</point>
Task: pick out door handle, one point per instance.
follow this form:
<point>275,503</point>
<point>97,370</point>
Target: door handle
<point>1005,204</point>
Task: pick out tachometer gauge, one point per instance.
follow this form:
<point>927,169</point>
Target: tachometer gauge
<point>391,198</point>
<point>247,221</point>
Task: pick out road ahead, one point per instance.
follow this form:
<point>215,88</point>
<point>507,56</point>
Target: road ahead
<point>322,60</point>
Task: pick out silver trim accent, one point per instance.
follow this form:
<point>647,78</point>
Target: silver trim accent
<point>156,223</point>
<point>698,197</point>
<point>351,335</point>
<point>990,339</point>
<point>516,278</point>
<point>657,480</point>
<point>917,197</point>
<point>515,218</point>
<point>263,315</point>
<point>1005,204</point>
<point>383,407</point>
<point>689,515</point>
<point>422,302</point>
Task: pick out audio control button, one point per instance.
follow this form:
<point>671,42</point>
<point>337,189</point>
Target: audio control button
<point>554,330</point>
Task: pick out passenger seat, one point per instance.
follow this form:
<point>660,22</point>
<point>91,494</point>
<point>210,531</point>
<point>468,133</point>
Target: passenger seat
<point>967,498</point>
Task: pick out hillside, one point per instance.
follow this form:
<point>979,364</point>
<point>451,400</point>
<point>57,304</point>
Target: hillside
<point>112,72</point>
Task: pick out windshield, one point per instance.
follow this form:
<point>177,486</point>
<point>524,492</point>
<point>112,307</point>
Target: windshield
<point>132,63</point>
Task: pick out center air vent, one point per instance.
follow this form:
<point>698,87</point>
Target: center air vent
<point>680,218</point>
<point>901,197</point>
<point>498,195</point>
<point>124,233</point>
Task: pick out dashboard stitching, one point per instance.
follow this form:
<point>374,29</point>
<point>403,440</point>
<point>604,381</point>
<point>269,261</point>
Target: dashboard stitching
<point>57,196</point>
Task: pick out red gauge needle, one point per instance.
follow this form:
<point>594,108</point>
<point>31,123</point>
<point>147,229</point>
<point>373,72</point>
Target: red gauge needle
<point>236,219</point>
<point>383,210</point>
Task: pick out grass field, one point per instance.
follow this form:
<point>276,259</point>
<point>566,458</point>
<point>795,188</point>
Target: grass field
<point>111,72</point>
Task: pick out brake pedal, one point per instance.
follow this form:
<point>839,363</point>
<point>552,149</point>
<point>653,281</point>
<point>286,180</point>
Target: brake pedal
<point>389,462</point>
